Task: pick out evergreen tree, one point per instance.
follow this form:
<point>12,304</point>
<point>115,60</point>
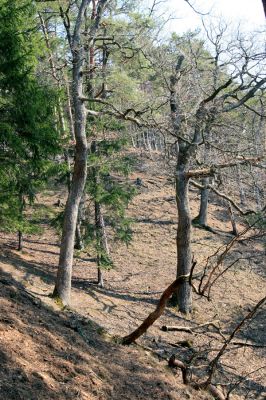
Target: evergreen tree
<point>27,129</point>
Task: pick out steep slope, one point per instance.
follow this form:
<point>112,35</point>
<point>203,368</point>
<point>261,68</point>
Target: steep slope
<point>49,353</point>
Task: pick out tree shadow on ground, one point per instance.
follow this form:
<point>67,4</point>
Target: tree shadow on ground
<point>42,270</point>
<point>92,289</point>
<point>253,330</point>
<point>59,355</point>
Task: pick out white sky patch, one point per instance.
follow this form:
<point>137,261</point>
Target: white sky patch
<point>248,13</point>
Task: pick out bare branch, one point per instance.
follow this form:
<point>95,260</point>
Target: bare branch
<point>250,315</point>
<point>245,98</point>
<point>224,196</point>
<point>209,171</point>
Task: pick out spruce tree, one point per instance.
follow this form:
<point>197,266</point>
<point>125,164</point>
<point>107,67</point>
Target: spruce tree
<point>28,137</point>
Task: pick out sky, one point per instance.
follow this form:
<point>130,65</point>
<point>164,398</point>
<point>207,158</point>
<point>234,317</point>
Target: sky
<point>249,13</point>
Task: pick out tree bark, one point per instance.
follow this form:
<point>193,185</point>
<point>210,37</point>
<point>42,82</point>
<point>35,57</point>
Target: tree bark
<point>232,219</point>
<point>64,274</point>
<point>183,296</point>
<point>20,240</point>
<point>204,199</point>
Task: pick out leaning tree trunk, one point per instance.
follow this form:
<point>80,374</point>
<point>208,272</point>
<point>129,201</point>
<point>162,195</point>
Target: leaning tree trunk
<point>64,273</point>
<point>183,295</point>
<point>154,315</point>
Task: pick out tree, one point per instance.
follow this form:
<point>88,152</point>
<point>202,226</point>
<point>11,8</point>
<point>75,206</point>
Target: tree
<point>111,193</point>
<point>27,135</point>
<point>77,50</point>
<point>226,95</point>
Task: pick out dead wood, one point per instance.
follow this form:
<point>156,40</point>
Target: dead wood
<point>247,344</point>
<point>174,363</point>
<point>152,317</point>
<point>167,328</point>
<point>186,376</point>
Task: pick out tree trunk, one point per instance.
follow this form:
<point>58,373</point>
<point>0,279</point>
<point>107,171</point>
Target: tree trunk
<point>64,273</point>
<point>97,209</point>
<point>100,281</point>
<point>183,295</point>
<point>232,219</point>
<point>201,219</point>
<point>79,245</point>
<point>20,233</point>
<point>20,240</point>
<point>102,242</point>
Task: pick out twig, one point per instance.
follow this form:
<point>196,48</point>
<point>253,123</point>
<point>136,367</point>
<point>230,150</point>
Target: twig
<point>215,361</point>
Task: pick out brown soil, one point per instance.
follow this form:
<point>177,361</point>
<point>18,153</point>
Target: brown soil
<point>49,353</point>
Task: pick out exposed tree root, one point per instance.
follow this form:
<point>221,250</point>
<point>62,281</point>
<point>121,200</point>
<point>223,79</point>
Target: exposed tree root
<point>186,376</point>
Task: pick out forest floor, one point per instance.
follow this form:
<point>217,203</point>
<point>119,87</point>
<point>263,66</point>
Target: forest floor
<point>50,353</point>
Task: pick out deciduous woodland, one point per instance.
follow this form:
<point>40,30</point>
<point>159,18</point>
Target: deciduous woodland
<point>132,203</point>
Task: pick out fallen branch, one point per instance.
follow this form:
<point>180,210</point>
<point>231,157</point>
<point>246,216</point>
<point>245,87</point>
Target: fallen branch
<point>247,344</point>
<point>166,328</point>
<point>157,312</point>
<point>174,363</point>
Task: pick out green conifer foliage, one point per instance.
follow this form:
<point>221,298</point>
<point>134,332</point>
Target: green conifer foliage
<point>110,190</point>
<point>28,137</point>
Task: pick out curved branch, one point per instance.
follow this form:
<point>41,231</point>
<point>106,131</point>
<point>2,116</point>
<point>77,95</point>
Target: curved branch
<point>152,317</point>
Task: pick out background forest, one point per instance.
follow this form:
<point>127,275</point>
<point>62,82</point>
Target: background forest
<point>135,156</point>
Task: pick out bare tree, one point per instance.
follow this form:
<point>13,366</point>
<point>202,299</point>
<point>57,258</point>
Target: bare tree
<point>77,47</point>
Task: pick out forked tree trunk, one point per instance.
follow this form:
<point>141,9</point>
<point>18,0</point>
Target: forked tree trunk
<point>182,297</point>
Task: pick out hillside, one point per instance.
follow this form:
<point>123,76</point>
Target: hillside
<point>50,353</point>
